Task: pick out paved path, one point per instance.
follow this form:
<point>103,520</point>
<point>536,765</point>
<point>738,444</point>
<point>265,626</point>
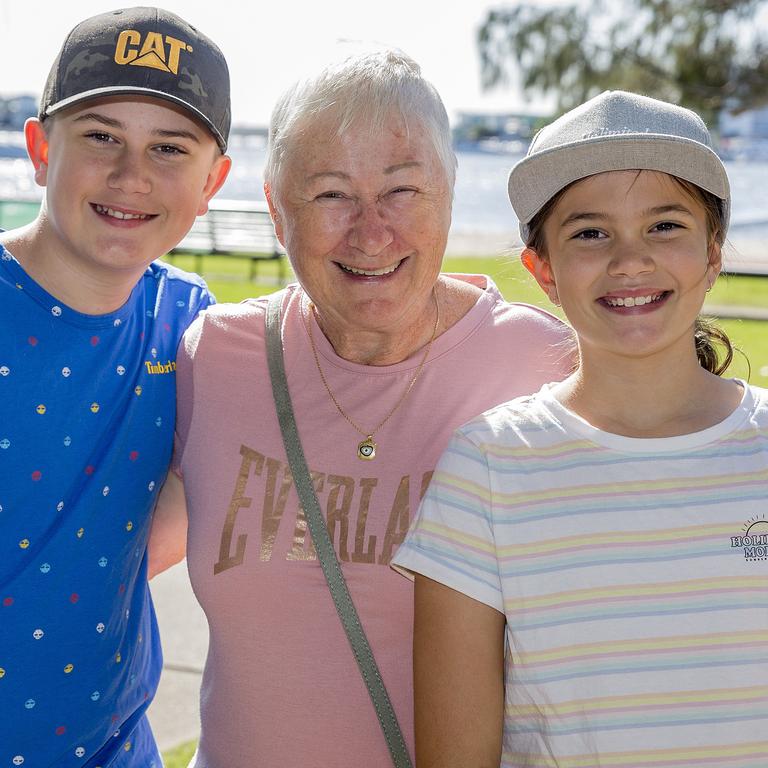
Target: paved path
<point>175,712</point>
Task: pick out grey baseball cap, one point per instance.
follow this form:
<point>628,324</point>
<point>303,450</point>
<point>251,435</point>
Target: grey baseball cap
<point>145,52</point>
<point>615,131</point>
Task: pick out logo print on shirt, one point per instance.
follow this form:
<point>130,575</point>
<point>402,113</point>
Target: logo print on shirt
<point>754,541</point>
<point>167,367</point>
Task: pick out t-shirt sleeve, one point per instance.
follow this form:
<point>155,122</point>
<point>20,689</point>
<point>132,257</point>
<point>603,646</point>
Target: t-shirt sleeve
<point>207,299</point>
<point>451,540</point>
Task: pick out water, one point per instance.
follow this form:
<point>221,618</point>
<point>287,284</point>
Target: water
<point>480,206</point>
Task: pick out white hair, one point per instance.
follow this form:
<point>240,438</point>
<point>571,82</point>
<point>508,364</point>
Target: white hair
<point>362,88</point>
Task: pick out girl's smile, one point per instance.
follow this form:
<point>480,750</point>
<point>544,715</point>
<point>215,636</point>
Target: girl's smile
<point>637,300</point>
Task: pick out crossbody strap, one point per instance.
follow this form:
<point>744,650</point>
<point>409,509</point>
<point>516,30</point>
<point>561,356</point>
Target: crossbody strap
<point>323,544</point>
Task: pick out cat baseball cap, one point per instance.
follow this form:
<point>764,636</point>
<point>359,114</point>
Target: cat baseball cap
<point>615,131</point>
<point>142,51</point>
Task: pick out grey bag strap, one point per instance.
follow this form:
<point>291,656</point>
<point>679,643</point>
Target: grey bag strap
<point>323,544</point>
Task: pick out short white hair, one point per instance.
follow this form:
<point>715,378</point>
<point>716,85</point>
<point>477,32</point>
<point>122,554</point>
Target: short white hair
<point>364,87</point>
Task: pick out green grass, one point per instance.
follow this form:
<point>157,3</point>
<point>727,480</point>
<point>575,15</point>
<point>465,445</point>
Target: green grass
<point>179,757</point>
<point>740,291</point>
<point>751,338</point>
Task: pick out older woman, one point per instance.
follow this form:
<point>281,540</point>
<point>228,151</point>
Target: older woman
<point>385,357</point>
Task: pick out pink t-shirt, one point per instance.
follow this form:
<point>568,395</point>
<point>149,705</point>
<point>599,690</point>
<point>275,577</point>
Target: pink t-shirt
<point>281,687</point>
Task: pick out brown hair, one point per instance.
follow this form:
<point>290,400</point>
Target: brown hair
<point>713,347</point>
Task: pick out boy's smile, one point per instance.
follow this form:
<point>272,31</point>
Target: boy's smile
<point>121,214</point>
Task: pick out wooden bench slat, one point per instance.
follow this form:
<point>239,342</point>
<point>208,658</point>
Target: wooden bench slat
<point>234,228</point>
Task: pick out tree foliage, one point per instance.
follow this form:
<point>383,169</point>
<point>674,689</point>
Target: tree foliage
<point>703,54</point>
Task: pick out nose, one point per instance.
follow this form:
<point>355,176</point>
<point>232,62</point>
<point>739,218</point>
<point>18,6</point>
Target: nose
<point>130,173</point>
<point>370,232</point>
<point>630,259</point>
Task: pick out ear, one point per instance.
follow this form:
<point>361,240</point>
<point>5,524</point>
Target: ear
<point>37,149</point>
<point>714,262</point>
<point>216,178</point>
<point>541,270</point>
<point>277,220</point>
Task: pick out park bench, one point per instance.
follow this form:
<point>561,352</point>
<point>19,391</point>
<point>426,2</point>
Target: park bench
<point>234,228</point>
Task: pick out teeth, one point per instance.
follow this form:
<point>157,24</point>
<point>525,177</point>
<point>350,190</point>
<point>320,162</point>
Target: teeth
<point>371,272</point>
<point>630,301</point>
<point>119,214</point>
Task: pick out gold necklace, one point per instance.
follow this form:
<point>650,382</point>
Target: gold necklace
<point>366,450</point>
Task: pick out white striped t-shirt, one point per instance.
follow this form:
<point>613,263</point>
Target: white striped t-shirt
<point>633,574</point>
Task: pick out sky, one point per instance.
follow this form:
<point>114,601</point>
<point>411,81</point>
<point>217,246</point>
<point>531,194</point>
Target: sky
<point>268,44</point>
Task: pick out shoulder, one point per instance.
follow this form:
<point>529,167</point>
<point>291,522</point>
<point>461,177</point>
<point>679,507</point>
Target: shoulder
<point>534,331</point>
<point>174,285</point>
<point>533,319</point>
<point>508,315</point>
<point>760,397</point>
<point>512,422</point>
<point>177,278</point>
<point>224,329</point>
<point>161,270</point>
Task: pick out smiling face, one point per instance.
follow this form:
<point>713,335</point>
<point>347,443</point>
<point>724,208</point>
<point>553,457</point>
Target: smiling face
<point>364,217</point>
<point>124,178</point>
<point>629,256</point>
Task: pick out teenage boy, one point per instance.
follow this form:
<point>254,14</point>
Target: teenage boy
<point>129,146</point>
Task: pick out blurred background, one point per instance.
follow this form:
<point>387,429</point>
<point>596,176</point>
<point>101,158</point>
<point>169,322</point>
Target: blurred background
<point>502,72</point>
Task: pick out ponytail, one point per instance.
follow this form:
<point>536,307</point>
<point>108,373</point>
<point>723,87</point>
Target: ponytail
<point>709,339</point>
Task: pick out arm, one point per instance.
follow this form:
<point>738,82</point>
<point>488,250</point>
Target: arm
<point>168,538</point>
<point>458,656</point>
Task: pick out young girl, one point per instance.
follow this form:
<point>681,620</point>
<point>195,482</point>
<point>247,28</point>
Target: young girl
<point>592,561</point>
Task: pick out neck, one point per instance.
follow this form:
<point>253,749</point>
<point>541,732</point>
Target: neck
<point>90,292</point>
<point>635,399</point>
<point>386,346</point>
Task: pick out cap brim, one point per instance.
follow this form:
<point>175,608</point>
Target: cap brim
<point>132,90</point>
<point>536,179</point>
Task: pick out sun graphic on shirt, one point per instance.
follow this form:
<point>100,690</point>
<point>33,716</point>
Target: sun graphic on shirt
<point>756,525</point>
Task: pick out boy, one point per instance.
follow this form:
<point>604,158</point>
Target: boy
<point>129,146</point>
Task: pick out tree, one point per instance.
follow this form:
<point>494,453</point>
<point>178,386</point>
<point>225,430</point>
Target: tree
<point>707,55</point>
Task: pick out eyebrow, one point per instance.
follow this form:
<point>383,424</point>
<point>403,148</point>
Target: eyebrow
<point>110,122</point>
<point>657,210</point>
<point>390,169</point>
